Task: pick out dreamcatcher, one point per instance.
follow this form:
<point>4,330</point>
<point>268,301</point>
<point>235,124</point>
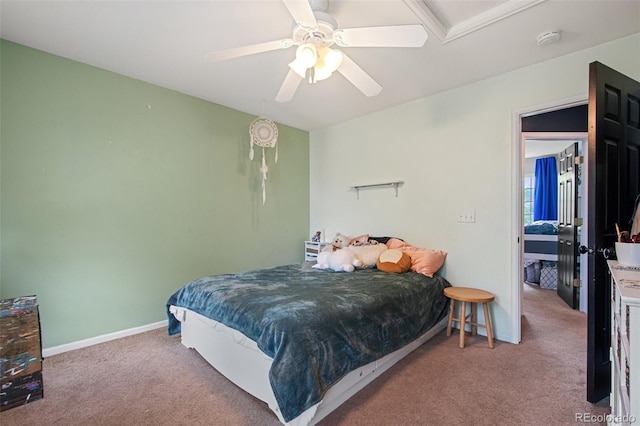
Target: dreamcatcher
<point>263,133</point>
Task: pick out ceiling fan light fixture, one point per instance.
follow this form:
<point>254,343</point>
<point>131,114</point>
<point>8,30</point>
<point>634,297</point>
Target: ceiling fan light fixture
<point>332,58</point>
<point>321,74</point>
<point>328,61</point>
<point>298,67</point>
<point>307,55</point>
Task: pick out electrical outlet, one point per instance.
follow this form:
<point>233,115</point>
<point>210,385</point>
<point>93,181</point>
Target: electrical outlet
<point>468,216</point>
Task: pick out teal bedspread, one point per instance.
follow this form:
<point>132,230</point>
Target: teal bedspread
<point>317,325</point>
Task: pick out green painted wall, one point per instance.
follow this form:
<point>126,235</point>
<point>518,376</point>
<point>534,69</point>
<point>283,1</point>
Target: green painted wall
<point>115,192</point>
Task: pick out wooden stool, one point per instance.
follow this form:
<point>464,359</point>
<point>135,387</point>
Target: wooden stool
<point>472,296</point>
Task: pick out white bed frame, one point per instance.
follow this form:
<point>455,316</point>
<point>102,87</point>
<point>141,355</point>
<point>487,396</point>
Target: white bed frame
<point>238,358</point>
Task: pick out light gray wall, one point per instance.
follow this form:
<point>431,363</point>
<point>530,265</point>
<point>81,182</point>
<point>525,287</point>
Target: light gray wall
<point>454,150</point>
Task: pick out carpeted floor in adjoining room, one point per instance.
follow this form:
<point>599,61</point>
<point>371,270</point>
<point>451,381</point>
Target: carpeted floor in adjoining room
<point>151,379</point>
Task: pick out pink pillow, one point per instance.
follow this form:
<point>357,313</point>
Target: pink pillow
<point>394,243</point>
<point>426,261</point>
<point>423,260</point>
<point>359,240</point>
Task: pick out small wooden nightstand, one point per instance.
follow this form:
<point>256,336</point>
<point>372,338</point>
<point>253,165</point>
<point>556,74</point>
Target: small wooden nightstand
<point>311,250</point>
<point>471,296</point>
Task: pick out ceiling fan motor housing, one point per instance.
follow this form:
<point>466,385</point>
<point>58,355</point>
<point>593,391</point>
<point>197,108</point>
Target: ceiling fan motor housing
<point>321,36</point>
<point>319,5</point>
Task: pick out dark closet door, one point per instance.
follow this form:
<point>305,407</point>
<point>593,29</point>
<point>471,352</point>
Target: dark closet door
<point>567,227</point>
<point>613,182</point>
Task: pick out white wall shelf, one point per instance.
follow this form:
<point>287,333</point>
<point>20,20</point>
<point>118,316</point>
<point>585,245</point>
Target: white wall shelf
<point>394,184</point>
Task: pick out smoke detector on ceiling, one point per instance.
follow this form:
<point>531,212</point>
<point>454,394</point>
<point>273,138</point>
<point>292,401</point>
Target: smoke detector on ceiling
<point>548,37</point>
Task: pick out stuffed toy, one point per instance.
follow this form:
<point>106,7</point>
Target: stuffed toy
<point>394,260</point>
<point>336,257</point>
<point>367,254</point>
<point>339,260</point>
<point>338,242</point>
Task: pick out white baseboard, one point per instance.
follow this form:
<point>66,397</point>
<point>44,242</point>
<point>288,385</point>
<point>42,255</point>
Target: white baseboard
<point>54,350</point>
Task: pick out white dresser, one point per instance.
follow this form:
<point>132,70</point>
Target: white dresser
<point>625,345</point>
<point>311,250</point>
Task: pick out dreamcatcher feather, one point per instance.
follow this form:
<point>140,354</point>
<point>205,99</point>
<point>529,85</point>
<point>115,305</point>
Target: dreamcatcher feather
<point>263,133</point>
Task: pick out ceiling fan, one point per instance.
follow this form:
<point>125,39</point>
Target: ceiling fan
<point>315,32</point>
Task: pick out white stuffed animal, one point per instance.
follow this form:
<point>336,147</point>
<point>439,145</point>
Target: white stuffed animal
<point>338,242</point>
<point>336,257</point>
<point>339,260</point>
<point>368,254</point>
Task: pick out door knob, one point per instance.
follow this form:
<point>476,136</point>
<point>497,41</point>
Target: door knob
<point>585,249</point>
<point>607,252</point>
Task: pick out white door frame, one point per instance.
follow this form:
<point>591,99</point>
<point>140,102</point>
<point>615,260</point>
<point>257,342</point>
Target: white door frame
<point>517,167</point>
<point>582,139</point>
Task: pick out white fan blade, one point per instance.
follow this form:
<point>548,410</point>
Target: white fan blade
<point>289,87</point>
<point>388,36</point>
<point>358,77</point>
<point>223,55</point>
<point>301,12</point>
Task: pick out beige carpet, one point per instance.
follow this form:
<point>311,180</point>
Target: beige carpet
<point>151,379</point>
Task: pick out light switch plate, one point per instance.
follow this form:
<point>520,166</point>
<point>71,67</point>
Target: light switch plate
<point>468,216</point>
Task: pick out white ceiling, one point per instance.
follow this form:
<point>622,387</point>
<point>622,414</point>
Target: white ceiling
<point>545,147</point>
<point>164,43</point>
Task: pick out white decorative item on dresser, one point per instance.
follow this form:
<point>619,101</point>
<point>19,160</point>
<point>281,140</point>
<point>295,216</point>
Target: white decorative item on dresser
<point>311,250</point>
<point>625,344</point>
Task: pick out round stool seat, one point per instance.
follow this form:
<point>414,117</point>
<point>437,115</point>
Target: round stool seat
<point>467,294</point>
<point>471,296</point>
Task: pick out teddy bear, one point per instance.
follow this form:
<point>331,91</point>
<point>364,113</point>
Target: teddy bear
<point>338,242</point>
<point>336,257</point>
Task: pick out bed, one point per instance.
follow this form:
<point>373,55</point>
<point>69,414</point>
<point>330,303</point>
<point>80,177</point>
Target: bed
<point>541,241</point>
<point>305,340</point>
<point>541,253</point>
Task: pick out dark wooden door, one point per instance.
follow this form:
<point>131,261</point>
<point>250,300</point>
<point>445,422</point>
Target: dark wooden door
<point>567,235</point>
<point>613,184</point>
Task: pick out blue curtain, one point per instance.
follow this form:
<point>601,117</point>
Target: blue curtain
<point>545,202</point>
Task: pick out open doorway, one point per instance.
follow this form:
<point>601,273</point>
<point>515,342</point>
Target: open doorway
<point>534,120</point>
<point>612,191</point>
<point>544,260</point>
